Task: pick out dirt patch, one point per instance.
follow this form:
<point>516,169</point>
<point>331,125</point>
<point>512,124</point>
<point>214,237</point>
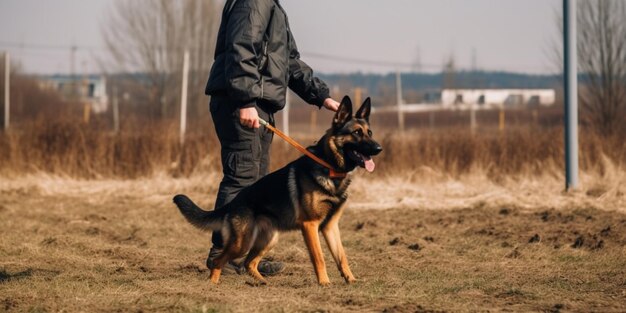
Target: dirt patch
<point>409,308</point>
<point>143,256</point>
<point>6,276</point>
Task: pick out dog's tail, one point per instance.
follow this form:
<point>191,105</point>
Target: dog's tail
<point>205,220</point>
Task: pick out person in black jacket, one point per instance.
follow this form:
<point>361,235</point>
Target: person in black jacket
<point>256,60</point>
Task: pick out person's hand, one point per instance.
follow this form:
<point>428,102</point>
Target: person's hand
<point>331,104</point>
<point>249,117</point>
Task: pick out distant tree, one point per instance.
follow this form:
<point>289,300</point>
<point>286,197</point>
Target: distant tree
<point>150,36</point>
<point>602,61</point>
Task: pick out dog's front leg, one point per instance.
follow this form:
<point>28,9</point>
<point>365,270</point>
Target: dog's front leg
<point>310,231</point>
<point>333,239</point>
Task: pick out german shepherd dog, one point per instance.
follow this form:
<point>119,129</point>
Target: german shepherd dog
<point>301,195</point>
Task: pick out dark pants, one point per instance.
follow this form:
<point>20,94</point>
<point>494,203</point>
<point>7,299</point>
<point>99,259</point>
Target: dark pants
<point>245,152</point>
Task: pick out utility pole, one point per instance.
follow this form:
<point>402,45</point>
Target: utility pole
<point>474,77</point>
<point>7,85</point>
<point>83,92</point>
<point>183,98</point>
<point>73,82</point>
<point>570,58</point>
<point>417,66</point>
<point>474,60</point>
<point>399,101</point>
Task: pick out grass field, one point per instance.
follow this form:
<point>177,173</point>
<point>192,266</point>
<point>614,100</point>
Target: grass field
<point>416,245</point>
<point>450,221</point>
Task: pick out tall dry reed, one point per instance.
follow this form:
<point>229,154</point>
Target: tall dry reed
<point>72,149</point>
<point>519,151</point>
<point>68,148</point>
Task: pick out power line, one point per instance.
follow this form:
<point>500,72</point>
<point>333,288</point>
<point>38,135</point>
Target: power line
<point>365,61</point>
<point>329,57</point>
<point>49,48</point>
<point>397,65</point>
<point>37,46</point>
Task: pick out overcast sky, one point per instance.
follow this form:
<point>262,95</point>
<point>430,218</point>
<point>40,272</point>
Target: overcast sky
<point>333,35</point>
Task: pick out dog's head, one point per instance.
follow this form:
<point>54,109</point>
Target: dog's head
<point>350,137</point>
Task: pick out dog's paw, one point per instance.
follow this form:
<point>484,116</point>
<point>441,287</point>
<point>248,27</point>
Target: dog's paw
<point>350,280</point>
<point>324,283</point>
<point>215,277</point>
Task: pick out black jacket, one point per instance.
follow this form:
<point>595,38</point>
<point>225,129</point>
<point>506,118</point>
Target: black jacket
<point>256,58</point>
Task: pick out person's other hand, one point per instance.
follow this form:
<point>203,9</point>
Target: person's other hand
<point>249,117</point>
<point>331,104</point>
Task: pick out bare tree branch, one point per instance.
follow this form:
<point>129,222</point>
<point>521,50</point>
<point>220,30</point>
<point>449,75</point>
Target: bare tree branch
<point>149,37</point>
<point>602,60</point>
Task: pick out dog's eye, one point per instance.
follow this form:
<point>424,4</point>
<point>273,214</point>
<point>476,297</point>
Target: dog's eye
<point>369,133</point>
<point>358,132</point>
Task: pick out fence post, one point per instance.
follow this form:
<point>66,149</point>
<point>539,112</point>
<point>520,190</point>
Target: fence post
<point>501,119</point>
<point>116,111</point>
<point>313,122</point>
<point>399,101</point>
<point>473,119</point>
<point>7,87</point>
<point>358,95</point>
<point>183,98</point>
<point>431,119</point>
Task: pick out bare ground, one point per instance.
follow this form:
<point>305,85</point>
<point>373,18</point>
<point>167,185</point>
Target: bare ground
<point>438,245</point>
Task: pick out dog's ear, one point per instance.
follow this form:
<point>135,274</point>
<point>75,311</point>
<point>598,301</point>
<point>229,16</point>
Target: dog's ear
<point>344,113</point>
<point>365,110</point>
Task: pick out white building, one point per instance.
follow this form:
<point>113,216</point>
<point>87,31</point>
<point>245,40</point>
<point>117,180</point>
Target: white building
<point>89,89</point>
<point>489,98</point>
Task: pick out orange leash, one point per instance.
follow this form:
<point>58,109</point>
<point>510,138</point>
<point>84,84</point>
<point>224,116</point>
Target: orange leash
<point>333,173</point>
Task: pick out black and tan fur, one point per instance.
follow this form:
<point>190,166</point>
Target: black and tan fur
<point>300,196</point>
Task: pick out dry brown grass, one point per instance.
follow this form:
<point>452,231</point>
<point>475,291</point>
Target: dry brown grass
<point>514,153</point>
<point>75,150</point>
<point>440,244</point>
<point>448,222</point>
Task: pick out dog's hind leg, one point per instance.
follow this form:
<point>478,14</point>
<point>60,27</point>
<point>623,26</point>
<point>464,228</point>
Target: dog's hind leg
<point>232,250</point>
<point>216,271</point>
<point>265,241</point>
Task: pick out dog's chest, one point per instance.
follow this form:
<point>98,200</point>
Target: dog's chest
<point>313,196</point>
<point>321,197</point>
<point>333,187</point>
<point>320,206</point>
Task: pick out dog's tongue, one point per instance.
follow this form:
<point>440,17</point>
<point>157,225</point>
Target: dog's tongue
<point>369,164</point>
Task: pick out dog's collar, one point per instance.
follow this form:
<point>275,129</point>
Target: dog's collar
<point>333,174</point>
<point>327,168</point>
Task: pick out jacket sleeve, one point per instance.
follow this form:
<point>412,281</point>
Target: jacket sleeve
<point>301,80</point>
<point>246,25</point>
